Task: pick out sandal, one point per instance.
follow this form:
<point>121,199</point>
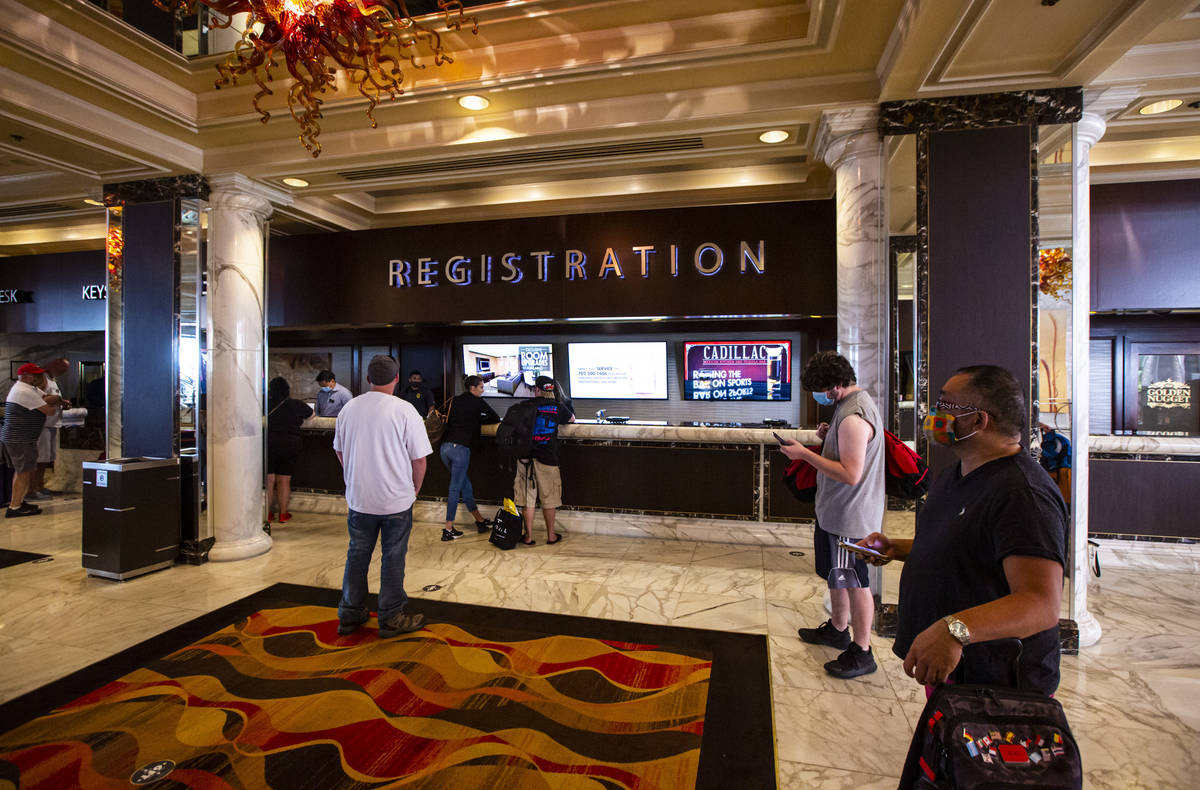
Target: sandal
<point>527,542</point>
<point>558,538</point>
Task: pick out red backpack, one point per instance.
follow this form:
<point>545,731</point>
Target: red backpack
<point>905,473</point>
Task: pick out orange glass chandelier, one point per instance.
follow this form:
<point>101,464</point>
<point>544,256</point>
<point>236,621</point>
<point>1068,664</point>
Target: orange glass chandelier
<point>368,38</point>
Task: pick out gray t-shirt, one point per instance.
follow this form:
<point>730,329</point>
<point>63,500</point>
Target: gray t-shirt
<point>853,511</point>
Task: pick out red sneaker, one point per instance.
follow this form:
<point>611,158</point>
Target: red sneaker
<point>285,517</point>
<point>270,516</point>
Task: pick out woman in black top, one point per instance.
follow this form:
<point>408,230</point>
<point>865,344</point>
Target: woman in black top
<point>284,416</point>
<point>468,411</point>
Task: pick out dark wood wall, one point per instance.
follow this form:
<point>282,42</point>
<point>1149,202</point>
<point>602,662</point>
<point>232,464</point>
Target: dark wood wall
<point>1146,245</point>
<point>345,278</point>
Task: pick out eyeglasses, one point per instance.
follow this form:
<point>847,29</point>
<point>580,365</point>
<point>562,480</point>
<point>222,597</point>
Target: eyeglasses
<point>945,405</point>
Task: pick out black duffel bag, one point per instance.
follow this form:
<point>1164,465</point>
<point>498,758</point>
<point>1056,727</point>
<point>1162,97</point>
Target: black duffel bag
<point>507,529</point>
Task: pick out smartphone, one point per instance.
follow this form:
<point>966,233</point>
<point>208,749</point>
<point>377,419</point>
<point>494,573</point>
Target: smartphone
<point>863,550</point>
<point>780,439</point>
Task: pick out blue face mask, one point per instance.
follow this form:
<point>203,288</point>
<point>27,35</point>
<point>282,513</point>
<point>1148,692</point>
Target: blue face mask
<point>326,389</point>
<point>822,398</point>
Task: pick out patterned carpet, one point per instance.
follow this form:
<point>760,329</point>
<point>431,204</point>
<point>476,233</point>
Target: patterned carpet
<point>478,698</point>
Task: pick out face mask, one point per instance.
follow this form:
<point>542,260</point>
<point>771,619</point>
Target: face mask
<point>940,427</point>
<point>822,398</point>
<point>326,389</point>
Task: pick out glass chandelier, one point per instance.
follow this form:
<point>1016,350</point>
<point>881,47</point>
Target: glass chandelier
<point>368,38</point>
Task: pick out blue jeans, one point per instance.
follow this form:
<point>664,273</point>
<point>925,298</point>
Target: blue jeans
<point>457,457</point>
<point>392,531</point>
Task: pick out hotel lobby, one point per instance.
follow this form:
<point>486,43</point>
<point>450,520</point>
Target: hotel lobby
<point>916,185</point>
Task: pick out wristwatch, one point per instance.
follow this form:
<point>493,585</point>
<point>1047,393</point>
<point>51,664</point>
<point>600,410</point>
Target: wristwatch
<point>958,629</point>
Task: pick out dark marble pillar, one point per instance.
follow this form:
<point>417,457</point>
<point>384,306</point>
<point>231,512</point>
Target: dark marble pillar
<point>143,259</point>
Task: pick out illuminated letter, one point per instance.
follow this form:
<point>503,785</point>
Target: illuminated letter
<point>611,263</point>
<point>427,272</point>
<point>576,260</point>
<point>485,268</point>
<point>458,270</point>
<point>401,274</point>
<point>644,253</point>
<point>699,259</point>
<point>543,264</point>
<point>674,260</point>
<point>759,262</point>
<point>509,262</point>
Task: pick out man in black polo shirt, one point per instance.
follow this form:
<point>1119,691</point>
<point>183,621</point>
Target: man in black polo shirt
<point>990,547</point>
<point>25,413</point>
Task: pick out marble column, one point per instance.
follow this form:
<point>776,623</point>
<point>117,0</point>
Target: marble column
<point>849,142</point>
<point>1087,131</point>
<point>236,265</point>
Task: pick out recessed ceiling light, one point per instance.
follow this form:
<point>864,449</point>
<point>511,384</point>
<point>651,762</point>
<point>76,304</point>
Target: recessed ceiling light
<point>1160,106</point>
<point>473,102</point>
<point>774,136</point>
<point>92,202</point>
<point>295,182</point>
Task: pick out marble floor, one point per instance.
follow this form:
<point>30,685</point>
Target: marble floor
<point>1133,699</point>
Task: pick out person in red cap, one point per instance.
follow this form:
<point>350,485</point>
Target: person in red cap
<point>25,413</point>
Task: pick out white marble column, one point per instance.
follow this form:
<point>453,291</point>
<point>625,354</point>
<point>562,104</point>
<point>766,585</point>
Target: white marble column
<point>849,143</point>
<point>1085,134</point>
<point>236,240</point>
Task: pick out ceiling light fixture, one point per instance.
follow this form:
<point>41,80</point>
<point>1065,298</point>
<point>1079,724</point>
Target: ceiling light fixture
<point>295,182</point>
<point>1160,106</point>
<point>774,136</point>
<point>367,38</point>
<point>474,103</point>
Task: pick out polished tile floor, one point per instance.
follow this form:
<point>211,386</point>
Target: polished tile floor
<point>1133,699</point>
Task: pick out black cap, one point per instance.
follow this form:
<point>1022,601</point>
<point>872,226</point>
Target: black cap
<point>544,384</point>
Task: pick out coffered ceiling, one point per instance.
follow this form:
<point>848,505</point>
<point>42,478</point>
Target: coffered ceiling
<point>595,106</point>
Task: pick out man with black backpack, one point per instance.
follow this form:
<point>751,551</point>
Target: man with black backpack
<point>535,445</point>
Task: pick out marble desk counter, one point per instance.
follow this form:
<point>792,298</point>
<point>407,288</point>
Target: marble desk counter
<point>644,430</point>
<point>1145,445</point>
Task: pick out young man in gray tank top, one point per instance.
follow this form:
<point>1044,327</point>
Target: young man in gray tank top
<point>850,505</point>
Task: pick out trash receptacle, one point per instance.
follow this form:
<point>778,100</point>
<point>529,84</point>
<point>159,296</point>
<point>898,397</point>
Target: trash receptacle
<point>131,514</point>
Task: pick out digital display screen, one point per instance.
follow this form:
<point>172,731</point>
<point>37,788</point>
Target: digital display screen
<point>738,370</point>
<point>618,371</point>
<point>508,370</point>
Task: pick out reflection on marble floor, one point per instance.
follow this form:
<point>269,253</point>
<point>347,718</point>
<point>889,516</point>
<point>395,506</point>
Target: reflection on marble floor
<point>1134,698</point>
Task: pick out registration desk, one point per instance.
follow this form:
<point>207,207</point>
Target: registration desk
<point>697,471</point>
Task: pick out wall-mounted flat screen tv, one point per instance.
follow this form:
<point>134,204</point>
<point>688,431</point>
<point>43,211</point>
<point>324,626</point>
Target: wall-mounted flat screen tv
<point>508,370</point>
<point>618,371</point>
<point>738,370</point>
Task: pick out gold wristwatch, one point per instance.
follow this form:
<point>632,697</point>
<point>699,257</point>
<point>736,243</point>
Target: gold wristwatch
<point>958,629</point>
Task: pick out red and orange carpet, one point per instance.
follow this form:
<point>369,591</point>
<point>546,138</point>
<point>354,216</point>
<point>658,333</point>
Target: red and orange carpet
<point>479,698</point>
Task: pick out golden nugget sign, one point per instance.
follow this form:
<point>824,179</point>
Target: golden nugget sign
<point>1169,394</point>
<point>511,268</point>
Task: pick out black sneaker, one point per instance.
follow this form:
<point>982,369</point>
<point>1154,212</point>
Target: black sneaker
<point>450,534</point>
<point>484,526</point>
<point>853,661</point>
<point>826,634</point>
<point>402,623</point>
<point>347,627</point>
<point>26,509</point>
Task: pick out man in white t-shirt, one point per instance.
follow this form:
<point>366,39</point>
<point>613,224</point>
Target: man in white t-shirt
<point>382,445</point>
<point>25,412</point>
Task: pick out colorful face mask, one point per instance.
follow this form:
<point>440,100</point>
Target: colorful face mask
<point>822,398</point>
<point>940,427</point>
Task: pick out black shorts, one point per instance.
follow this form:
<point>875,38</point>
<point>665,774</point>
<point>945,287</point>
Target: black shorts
<point>282,456</point>
<point>827,556</point>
